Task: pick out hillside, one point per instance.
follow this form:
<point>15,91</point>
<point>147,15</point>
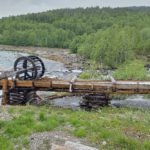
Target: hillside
<point>107,36</point>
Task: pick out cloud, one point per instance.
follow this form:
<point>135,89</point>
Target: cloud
<point>15,7</point>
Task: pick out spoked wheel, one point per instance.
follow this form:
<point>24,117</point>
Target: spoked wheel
<point>32,68</point>
<point>28,67</point>
<point>39,66</point>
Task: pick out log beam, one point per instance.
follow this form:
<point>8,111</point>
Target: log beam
<point>82,86</point>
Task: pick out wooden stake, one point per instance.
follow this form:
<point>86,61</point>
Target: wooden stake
<point>5,91</point>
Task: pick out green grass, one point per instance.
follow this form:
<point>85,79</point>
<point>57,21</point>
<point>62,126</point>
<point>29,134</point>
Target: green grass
<point>93,75</point>
<point>132,71</point>
<point>121,128</point>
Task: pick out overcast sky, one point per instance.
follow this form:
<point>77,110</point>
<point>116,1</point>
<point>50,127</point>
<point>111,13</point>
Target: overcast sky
<point>16,7</point>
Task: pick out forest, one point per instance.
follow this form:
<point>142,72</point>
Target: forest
<point>109,36</point>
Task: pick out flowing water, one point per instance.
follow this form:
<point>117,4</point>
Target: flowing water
<point>135,101</point>
<point>7,59</point>
<point>56,69</point>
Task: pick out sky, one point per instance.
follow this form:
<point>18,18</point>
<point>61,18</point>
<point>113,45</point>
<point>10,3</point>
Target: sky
<point>17,7</point>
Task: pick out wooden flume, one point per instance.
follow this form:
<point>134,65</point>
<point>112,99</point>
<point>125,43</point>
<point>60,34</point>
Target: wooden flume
<point>81,86</point>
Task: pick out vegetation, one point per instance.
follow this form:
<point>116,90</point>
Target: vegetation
<point>94,75</point>
<point>132,70</point>
<point>107,36</point>
<point>119,128</point>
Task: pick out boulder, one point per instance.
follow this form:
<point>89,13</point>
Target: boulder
<point>77,146</point>
<point>58,147</point>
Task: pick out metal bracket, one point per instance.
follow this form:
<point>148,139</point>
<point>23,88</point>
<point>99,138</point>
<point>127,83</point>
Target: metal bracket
<point>71,83</point>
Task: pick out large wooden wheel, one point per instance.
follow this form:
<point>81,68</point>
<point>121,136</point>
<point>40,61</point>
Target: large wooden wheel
<point>39,66</point>
<point>31,67</point>
<point>29,70</point>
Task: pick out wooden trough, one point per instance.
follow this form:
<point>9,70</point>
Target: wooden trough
<point>78,86</point>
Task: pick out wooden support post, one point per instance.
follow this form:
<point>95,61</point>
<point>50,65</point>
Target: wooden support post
<point>5,91</point>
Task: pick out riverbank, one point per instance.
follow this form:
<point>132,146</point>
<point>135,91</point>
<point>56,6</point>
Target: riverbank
<point>107,128</point>
<point>71,61</point>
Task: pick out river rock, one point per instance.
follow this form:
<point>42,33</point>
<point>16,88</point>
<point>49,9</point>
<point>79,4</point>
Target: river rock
<point>77,146</point>
<point>58,147</point>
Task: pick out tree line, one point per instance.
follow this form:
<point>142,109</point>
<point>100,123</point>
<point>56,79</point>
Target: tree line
<point>107,36</point>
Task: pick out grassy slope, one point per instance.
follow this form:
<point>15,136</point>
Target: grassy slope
<point>120,128</point>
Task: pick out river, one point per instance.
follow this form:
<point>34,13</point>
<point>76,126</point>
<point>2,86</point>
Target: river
<point>56,69</point>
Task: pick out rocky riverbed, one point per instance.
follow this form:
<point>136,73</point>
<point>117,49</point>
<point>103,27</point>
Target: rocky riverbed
<point>71,61</point>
